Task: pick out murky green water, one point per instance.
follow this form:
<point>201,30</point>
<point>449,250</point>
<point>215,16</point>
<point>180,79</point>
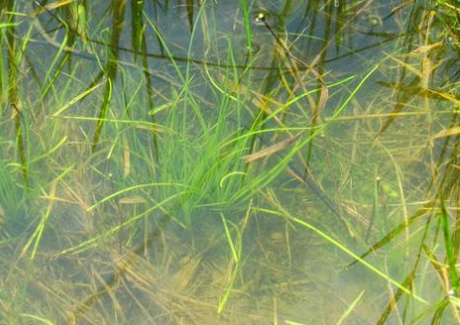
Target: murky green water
<point>229,162</point>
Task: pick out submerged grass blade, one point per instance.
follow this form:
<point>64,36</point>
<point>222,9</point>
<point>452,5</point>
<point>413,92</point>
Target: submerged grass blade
<point>346,250</point>
<point>396,231</point>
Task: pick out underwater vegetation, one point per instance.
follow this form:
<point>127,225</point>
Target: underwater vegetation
<point>229,162</point>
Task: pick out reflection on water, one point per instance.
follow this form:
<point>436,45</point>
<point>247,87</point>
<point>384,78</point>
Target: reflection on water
<point>228,162</point>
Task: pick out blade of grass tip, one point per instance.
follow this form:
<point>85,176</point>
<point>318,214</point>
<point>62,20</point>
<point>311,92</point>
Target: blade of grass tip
<point>353,305</point>
<point>451,261</point>
<point>347,251</point>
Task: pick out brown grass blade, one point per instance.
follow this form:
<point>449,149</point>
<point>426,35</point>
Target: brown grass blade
<point>272,149</point>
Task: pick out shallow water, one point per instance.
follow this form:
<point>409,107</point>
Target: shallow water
<point>166,162</point>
